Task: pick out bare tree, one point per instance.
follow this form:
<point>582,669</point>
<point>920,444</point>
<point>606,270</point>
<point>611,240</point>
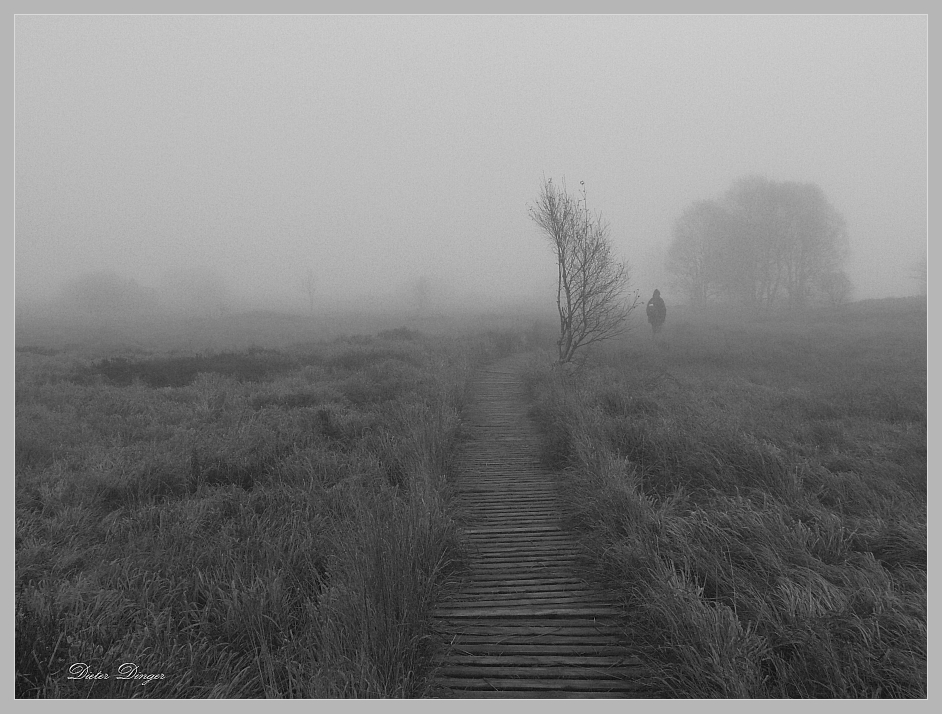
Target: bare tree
<point>592,290</point>
<point>310,287</point>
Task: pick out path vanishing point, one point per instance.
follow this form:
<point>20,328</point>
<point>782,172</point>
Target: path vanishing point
<point>524,619</point>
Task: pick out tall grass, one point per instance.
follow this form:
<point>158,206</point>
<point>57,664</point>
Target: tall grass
<point>259,524</point>
<point>757,493</point>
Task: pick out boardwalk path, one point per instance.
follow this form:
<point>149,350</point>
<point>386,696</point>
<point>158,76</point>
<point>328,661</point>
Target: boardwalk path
<point>522,621</point>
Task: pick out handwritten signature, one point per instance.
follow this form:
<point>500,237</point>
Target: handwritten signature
<point>128,670</point>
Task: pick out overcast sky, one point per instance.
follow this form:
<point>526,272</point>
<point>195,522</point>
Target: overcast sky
<point>375,150</point>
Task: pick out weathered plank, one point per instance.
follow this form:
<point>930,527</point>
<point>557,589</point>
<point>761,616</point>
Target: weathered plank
<point>523,619</point>
<point>542,660</point>
<point>503,639</point>
<point>537,694</point>
<point>497,682</point>
<point>570,586</point>
<point>548,611</point>
<point>588,600</point>
<point>500,649</point>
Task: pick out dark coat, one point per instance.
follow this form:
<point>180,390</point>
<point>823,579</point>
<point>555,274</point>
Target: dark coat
<point>657,311</point>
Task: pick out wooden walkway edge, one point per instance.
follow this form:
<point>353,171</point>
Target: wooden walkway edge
<point>523,621</point>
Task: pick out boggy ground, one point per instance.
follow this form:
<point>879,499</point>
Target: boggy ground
<point>235,524</point>
<point>756,490</point>
<point>261,522</point>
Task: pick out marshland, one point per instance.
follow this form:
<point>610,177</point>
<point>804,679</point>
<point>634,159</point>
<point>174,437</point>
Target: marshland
<point>278,521</point>
<point>410,356</point>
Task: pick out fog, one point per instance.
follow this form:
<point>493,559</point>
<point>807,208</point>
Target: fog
<point>391,159</point>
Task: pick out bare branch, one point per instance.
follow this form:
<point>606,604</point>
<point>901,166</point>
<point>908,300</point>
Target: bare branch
<point>592,293</point>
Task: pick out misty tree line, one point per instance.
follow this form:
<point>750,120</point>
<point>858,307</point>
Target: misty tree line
<point>105,293</point>
<point>764,244</point>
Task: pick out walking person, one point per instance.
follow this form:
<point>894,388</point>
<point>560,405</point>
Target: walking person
<point>657,312</point>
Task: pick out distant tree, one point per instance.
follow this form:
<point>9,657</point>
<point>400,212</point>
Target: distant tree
<point>421,293</point>
<point>764,244</point>
<point>920,273</point>
<point>836,287</point>
<point>755,249</point>
<point>815,240</point>
<point>198,292</point>
<point>694,255</point>
<point>310,287</point>
<point>592,290</point>
<point>105,294</point>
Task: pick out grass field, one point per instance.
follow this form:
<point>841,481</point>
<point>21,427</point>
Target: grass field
<point>240,523</point>
<point>756,491</point>
<point>266,518</point>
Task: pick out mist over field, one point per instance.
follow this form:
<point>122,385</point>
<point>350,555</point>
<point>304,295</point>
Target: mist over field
<point>214,164</point>
<point>459,356</point>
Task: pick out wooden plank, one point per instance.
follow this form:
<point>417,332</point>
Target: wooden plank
<point>528,611</point>
<point>543,660</point>
<point>533,489</point>
<point>516,520</point>
<point>560,648</point>
<point>491,557</point>
<point>505,547</point>
<point>586,599</point>
<point>496,522</point>
<point>566,574</point>
<point>556,566</point>
<point>480,533</point>
<point>523,548</point>
<point>537,553</point>
<point>518,572</point>
<point>484,582</point>
<point>534,631</point>
<point>535,486</point>
<point>499,585</point>
<point>505,533</point>
<point>511,563</point>
<point>485,555</point>
<point>518,603</point>
<point>470,580</point>
<point>498,683</point>
<point>471,529</point>
<point>542,595</point>
<point>486,494</point>
<point>505,543</point>
<point>531,694</point>
<point>524,510</point>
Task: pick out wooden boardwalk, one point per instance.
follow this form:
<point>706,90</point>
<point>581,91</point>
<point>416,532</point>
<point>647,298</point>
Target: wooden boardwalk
<point>523,621</point>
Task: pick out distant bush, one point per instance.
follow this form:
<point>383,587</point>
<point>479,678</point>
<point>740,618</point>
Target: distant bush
<point>252,366</point>
<point>505,342</point>
<point>358,357</point>
<point>400,333</point>
<point>38,350</point>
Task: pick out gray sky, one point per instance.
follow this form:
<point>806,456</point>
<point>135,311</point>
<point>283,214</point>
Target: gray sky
<point>378,149</point>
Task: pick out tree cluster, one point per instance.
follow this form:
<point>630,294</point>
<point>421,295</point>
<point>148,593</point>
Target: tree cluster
<point>592,290</point>
<point>106,294</point>
<point>763,244</point>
